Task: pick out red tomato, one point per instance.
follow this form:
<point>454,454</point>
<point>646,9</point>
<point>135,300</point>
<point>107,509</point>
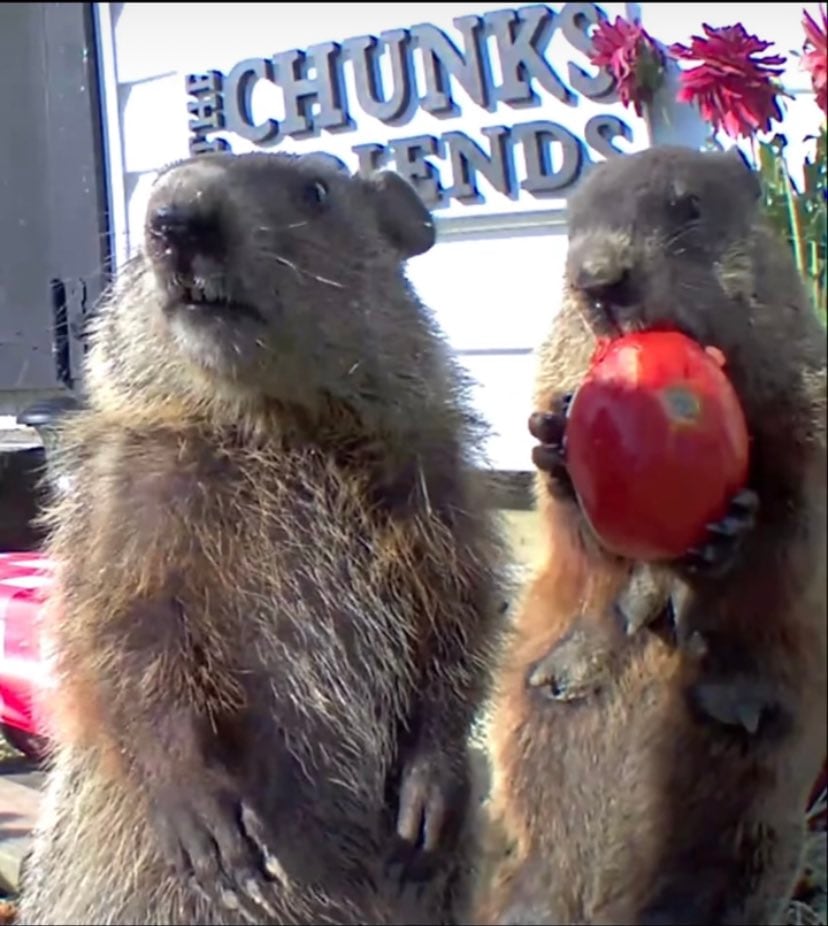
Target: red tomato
<point>656,444</point>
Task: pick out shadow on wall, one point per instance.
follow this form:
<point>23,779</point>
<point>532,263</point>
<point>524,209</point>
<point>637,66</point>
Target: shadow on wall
<point>21,495</point>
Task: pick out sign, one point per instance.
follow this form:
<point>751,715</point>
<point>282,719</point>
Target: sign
<point>493,112</point>
<point>495,59</point>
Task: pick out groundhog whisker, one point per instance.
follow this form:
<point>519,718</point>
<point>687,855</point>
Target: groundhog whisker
<point>301,272</point>
<point>692,288</point>
<point>585,318</point>
<point>269,229</point>
<point>679,235</point>
<point>328,282</point>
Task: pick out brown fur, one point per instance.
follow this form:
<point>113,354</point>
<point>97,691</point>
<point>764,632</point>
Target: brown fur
<point>276,586</point>
<point>635,804</point>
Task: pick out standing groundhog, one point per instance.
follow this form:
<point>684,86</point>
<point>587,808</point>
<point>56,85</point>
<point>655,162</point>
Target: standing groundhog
<point>662,776</point>
<point>276,599</point>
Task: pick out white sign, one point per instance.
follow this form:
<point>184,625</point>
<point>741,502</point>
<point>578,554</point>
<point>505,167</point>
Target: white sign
<point>491,109</point>
<point>495,109</point>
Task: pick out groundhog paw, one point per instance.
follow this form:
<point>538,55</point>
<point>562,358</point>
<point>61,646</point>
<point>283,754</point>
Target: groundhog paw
<point>215,842</point>
<point>548,456</point>
<point>577,667</point>
<point>432,796</point>
<point>643,600</point>
<point>738,702</point>
<point>720,550</point>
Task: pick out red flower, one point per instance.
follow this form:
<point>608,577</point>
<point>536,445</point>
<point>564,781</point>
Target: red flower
<point>734,91</point>
<point>815,59</point>
<point>633,58</point>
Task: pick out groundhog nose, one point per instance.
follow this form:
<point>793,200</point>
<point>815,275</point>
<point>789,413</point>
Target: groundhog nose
<point>181,233</point>
<point>604,284</point>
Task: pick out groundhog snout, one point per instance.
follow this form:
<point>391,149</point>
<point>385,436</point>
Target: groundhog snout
<point>178,235</point>
<point>601,269</point>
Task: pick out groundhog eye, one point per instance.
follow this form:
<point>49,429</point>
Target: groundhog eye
<point>315,193</point>
<point>686,208</point>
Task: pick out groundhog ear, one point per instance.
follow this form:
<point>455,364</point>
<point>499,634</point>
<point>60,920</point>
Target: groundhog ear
<point>752,178</point>
<point>403,216</point>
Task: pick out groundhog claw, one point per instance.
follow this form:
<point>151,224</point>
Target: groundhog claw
<point>642,600</point>
<point>549,460</point>
<point>430,794</point>
<point>576,667</point>
<point>548,428</point>
<point>256,831</point>
<point>227,897</point>
<point>736,702</point>
<point>720,550</point>
<point>216,840</point>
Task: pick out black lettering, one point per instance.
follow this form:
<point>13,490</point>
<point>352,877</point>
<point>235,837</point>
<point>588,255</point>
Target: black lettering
<point>441,57</point>
<point>600,130</point>
<point>201,145</point>
<point>522,36</point>
<point>576,20</point>
<point>207,115</point>
<point>206,112</point>
<point>202,84</point>
<point>325,91</point>
<point>468,159</point>
<point>239,85</point>
<point>410,161</point>
<point>372,157</point>
<point>541,177</point>
<point>365,52</point>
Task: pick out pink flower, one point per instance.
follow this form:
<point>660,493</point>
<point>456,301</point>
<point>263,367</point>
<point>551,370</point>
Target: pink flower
<point>633,58</point>
<point>815,58</point>
<point>734,90</point>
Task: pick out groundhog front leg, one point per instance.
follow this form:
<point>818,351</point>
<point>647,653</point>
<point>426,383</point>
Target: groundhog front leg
<point>172,722</point>
<point>431,793</point>
<point>431,803</point>
<point>431,796</point>
<point>209,834</point>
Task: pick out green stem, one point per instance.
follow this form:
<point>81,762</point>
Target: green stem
<point>817,280</point>
<point>794,220</point>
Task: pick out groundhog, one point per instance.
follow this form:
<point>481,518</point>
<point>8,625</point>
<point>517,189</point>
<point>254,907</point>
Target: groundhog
<point>657,728</point>
<point>277,595</point>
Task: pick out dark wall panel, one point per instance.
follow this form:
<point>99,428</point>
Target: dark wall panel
<point>53,245</point>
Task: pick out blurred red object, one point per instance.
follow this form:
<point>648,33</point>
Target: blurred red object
<point>815,56</point>
<point>25,677</point>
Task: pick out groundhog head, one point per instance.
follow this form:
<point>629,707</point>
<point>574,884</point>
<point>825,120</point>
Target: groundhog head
<point>270,275</point>
<point>663,238</point>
